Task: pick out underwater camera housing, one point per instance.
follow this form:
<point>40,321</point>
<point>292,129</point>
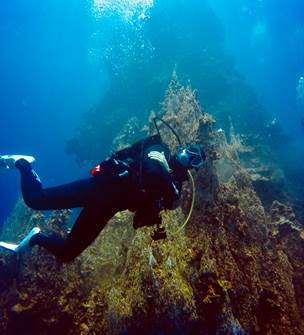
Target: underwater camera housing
<point>159,233</point>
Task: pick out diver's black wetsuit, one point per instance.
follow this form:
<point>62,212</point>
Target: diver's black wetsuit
<point>145,188</point>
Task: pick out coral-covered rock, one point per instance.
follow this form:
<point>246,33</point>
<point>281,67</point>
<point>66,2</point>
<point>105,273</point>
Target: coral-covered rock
<point>235,268</point>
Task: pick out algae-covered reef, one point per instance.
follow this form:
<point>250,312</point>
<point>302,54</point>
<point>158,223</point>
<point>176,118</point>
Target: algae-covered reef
<point>236,268</point>
<point>185,35</point>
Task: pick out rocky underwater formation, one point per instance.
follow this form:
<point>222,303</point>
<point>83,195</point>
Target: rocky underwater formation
<point>237,267</point>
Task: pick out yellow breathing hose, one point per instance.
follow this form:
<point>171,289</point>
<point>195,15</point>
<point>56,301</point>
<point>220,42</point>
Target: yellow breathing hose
<point>192,203</point>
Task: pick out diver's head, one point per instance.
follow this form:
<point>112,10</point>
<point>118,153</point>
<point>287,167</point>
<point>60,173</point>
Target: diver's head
<point>191,156</point>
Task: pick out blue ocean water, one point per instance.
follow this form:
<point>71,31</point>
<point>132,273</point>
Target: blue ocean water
<point>267,40</point>
<point>47,81</point>
<point>54,68</point>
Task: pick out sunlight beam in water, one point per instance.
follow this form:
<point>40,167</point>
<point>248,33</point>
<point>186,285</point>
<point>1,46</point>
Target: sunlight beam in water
<point>119,36</point>
<point>127,9</point>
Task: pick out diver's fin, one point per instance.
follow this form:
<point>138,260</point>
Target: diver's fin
<point>23,245</point>
<point>8,161</point>
<point>26,241</point>
<point>8,246</point>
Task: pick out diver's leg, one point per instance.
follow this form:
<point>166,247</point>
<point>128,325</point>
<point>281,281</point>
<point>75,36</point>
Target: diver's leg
<point>75,194</point>
<point>86,228</point>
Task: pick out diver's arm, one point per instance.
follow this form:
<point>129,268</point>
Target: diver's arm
<point>162,188</point>
<point>161,180</point>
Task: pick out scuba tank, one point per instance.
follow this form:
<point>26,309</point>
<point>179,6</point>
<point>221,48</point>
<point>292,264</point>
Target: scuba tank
<point>130,160</point>
<point>130,157</point>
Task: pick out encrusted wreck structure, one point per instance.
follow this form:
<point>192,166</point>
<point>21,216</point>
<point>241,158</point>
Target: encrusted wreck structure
<point>237,267</point>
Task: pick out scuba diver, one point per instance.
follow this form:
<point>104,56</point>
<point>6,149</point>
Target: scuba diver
<point>300,98</point>
<point>274,132</point>
<point>300,91</point>
<point>143,178</point>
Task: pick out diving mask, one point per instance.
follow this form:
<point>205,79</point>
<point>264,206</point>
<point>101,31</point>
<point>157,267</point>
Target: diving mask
<point>191,156</point>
